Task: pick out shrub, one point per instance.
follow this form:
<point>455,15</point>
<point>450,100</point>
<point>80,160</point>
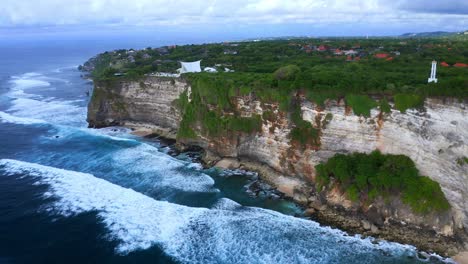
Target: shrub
<point>245,124</point>
<point>303,132</point>
<point>407,101</point>
<point>424,195</point>
<point>286,73</point>
<point>305,135</point>
<point>319,97</point>
<point>209,90</point>
<point>268,115</point>
<point>385,106</point>
<point>361,104</point>
<point>462,161</point>
<point>370,175</point>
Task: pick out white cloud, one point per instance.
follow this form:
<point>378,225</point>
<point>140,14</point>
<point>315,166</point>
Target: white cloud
<point>181,12</point>
<point>440,7</point>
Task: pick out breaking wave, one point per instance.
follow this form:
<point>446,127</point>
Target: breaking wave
<point>8,118</point>
<point>54,112</point>
<point>27,81</point>
<point>227,233</point>
<point>157,170</point>
<point>26,105</point>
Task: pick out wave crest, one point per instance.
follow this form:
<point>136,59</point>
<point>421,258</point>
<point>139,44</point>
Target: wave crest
<point>230,234</point>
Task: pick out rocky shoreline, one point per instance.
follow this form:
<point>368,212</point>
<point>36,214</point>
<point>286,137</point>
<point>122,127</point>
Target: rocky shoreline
<point>354,222</point>
<point>276,185</point>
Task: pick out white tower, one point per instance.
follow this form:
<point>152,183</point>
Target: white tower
<point>433,78</point>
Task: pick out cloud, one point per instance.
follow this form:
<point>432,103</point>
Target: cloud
<point>14,13</point>
<point>438,7</point>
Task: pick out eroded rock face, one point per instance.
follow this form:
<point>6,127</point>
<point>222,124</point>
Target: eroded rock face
<point>146,103</point>
<point>434,138</point>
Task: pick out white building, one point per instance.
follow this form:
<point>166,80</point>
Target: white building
<point>210,69</point>
<point>350,52</point>
<point>190,67</point>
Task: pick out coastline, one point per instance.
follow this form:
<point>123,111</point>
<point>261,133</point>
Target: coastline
<point>115,104</point>
<point>351,221</point>
<point>333,216</point>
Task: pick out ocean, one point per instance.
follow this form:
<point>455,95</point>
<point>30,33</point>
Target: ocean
<point>70,194</point>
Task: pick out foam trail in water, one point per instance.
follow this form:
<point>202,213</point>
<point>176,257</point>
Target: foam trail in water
<point>24,82</point>
<point>227,234</point>
<point>160,170</point>
<point>75,132</point>
<point>27,81</point>
<point>33,80</point>
<point>63,131</point>
<point>137,220</point>
<point>59,70</point>
<point>29,105</point>
<point>7,118</point>
<point>55,112</point>
<point>136,164</point>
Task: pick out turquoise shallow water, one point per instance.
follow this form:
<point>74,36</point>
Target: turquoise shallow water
<point>69,194</point>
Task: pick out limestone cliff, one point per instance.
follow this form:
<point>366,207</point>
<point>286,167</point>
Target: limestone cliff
<point>146,104</point>
<point>435,138</point>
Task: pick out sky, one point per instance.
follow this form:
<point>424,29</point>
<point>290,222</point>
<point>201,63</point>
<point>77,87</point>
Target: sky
<point>233,18</point>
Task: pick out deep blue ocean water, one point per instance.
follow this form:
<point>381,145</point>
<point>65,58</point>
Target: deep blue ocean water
<point>69,194</point>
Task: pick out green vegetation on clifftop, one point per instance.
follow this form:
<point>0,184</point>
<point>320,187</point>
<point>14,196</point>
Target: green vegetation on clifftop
<point>374,74</point>
<point>316,65</point>
<point>361,104</point>
<point>407,101</point>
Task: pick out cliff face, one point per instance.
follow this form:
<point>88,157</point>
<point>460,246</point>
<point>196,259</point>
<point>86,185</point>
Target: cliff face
<point>435,138</point>
<point>145,103</point>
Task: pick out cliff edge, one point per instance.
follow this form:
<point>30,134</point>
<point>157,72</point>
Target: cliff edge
<point>263,136</point>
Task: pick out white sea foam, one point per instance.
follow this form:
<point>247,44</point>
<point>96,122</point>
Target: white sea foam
<point>228,234</point>
<point>195,166</point>
<point>139,164</point>
<point>63,131</point>
<point>28,75</point>
<point>226,204</point>
<point>114,131</point>
<point>27,81</point>
<point>26,104</point>
<point>54,112</point>
<point>98,133</point>
<point>137,220</point>
<point>160,170</point>
<point>59,70</point>
<point>7,118</point>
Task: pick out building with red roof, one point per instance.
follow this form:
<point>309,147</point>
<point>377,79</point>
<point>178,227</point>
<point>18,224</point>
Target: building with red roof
<point>460,65</point>
<point>381,55</point>
<point>322,48</point>
<point>444,64</point>
<point>338,52</point>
